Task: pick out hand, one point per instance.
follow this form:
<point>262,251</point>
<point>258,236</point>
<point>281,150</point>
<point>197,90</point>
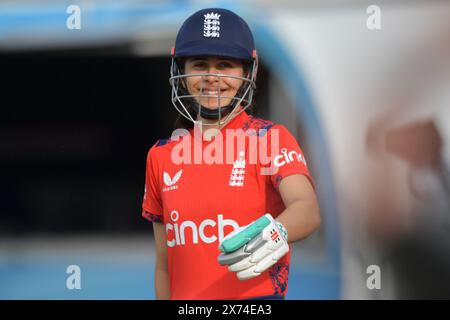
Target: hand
<point>252,249</point>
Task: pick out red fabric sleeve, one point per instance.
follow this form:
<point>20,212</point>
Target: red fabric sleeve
<point>152,205</point>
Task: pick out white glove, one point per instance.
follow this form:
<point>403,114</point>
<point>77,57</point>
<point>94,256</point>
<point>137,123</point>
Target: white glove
<point>254,248</point>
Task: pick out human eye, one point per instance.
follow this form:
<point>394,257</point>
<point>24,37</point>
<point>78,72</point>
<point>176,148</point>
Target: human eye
<point>225,65</point>
<point>199,65</point>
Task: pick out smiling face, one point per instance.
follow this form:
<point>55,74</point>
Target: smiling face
<point>210,87</point>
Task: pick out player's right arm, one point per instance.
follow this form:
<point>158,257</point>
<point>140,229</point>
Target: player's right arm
<point>153,211</point>
<point>162,284</point>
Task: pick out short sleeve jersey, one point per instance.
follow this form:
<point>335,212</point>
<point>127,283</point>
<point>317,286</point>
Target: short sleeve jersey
<point>203,190</point>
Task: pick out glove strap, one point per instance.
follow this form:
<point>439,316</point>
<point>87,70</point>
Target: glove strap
<point>283,231</point>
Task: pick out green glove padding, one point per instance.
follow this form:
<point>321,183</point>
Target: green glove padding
<point>243,237</point>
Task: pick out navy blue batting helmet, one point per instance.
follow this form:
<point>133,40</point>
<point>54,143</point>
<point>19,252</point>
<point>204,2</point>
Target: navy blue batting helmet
<point>215,32</point>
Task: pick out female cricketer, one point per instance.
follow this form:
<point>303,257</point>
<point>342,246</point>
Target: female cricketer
<point>227,192</point>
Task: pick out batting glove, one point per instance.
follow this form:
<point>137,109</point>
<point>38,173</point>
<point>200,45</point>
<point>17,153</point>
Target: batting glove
<point>252,249</point>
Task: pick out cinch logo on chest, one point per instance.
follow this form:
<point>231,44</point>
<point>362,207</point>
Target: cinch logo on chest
<point>208,230</point>
<point>171,182</point>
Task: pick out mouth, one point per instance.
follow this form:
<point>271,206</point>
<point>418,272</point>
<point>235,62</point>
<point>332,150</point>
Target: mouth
<point>213,92</point>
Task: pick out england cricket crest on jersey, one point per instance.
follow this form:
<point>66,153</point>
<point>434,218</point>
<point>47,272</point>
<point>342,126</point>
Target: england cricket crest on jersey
<point>238,172</point>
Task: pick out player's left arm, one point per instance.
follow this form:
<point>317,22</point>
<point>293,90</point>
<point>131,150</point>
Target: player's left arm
<point>252,249</point>
<point>302,215</point>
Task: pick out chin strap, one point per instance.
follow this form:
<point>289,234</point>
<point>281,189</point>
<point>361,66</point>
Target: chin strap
<point>215,114</point>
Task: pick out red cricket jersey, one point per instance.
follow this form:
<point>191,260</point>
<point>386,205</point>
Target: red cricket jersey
<point>200,202</point>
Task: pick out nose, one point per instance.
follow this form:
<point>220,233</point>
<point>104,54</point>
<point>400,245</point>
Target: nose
<point>211,78</point>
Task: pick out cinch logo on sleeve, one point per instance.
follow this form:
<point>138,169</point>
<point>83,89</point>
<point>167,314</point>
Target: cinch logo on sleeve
<point>288,157</point>
<point>209,231</point>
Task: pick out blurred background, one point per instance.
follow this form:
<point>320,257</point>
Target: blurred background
<point>79,109</point>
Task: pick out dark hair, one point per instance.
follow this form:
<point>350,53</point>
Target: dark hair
<point>183,123</point>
